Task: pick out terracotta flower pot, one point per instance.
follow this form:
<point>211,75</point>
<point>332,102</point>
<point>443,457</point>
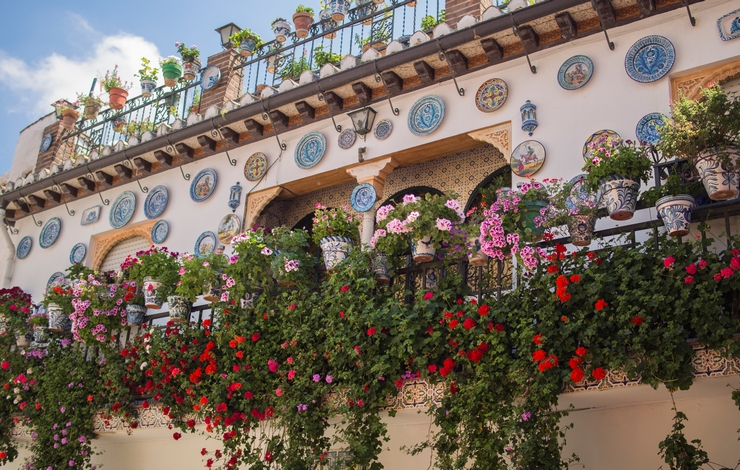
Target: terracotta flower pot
<point>69,118</point>
<point>302,21</point>
<point>117,98</point>
<point>92,108</point>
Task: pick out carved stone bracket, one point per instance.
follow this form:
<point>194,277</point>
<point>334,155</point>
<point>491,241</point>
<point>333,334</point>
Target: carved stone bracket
<point>256,202</point>
<point>499,136</point>
<point>374,172</point>
<point>690,85</point>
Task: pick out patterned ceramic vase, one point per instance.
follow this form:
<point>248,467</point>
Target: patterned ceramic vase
<point>147,87</point>
<point>676,213</point>
<point>338,8</point>
<point>23,340</point>
<point>212,292</point>
<point>179,308</point>
<point>282,30</point>
<point>620,196</point>
<point>3,324</point>
<point>40,334</point>
<point>335,250</point>
<point>327,23</point>
<point>150,293</point>
<point>135,314</point>
<point>247,46</point>
<point>191,69</point>
<point>250,298</point>
<point>58,320</point>
<point>380,268</point>
<point>423,249</point>
<point>721,181</point>
<point>581,229</point>
<point>530,215</point>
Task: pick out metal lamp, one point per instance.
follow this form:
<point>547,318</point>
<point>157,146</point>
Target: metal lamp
<point>226,32</point>
<point>362,120</point>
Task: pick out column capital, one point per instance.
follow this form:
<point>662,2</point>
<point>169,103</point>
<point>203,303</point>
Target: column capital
<point>499,136</point>
<point>374,172</point>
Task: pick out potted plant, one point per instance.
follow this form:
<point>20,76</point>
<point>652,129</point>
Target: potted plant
<point>15,309</point>
<point>201,275</point>
<point>571,205</point>
<point>618,168</point>
<point>67,111</point>
<point>39,322</point>
<point>156,271</point>
<point>365,9</point>
<point>302,19</point>
<point>195,105</point>
<point>92,105</point>
<point>135,308</point>
<point>706,131</point>
<point>58,303</point>
<point>290,263</point>
<point>338,9</point>
<point>292,68</point>
<point>429,22</point>
<point>326,22</point>
<point>99,309</point>
<point>246,41</point>
<point>281,28</point>
<point>335,231</point>
<point>322,57</point>
<point>171,70</point>
<point>250,264</point>
<point>147,78</point>
<point>674,202</point>
<point>190,62</point>
<point>116,88</point>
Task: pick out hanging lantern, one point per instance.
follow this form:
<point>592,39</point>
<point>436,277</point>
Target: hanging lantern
<point>529,117</point>
<point>235,196</point>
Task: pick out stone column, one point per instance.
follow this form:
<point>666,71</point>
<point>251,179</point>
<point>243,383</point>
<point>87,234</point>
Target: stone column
<point>375,173</point>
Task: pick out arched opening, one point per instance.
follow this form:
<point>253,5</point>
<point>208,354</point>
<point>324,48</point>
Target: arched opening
<point>486,190</point>
<point>118,253</point>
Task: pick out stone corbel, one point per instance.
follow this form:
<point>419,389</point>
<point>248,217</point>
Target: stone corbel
<point>256,202</point>
<point>375,173</point>
<point>499,136</point>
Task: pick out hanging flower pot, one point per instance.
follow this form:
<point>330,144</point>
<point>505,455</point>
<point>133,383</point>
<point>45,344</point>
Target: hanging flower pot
<point>282,29</point>
<point>338,9</point>
<point>272,63</point>
<point>69,118</point>
<point>135,314</point>
<point>117,98</point>
<point>171,71</point>
<point>247,46</point>
<point>3,325</point>
<point>250,298</point>
<point>365,10</point>
<point>529,218</point>
<point>92,108</point>
<point>423,250</point>
<point>58,320</point>
<point>327,23</point>
<point>335,250</point>
<point>40,334</point>
<point>302,21</point>
<point>676,213</point>
<point>721,180</point>
<point>179,308</point>
<point>191,69</point>
<point>581,229</point>
<point>380,268</point>
<point>212,292</point>
<point>620,195</point>
<point>150,293</point>
<point>147,87</point>
<point>22,340</point>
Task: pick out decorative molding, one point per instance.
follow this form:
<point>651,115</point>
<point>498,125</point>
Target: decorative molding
<point>101,244</point>
<point>690,85</point>
<point>256,202</point>
<point>499,136</point>
<point>374,172</point>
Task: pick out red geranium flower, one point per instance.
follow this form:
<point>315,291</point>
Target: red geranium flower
<point>538,355</point>
<point>483,310</point>
<point>432,368</point>
<point>371,331</point>
<point>575,278</point>
<point>637,320</point>
<point>576,375</point>
<point>599,373</point>
<point>691,269</point>
<point>475,355</point>
<point>581,351</point>
<point>600,304</point>
<point>344,288</point>
<point>453,323</point>
<point>176,436</point>
<point>499,327</point>
<point>537,339</point>
<point>428,296</point>
<point>469,324</point>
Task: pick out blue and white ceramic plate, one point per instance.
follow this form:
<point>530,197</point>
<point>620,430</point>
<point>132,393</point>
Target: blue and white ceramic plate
<point>579,195</point>
<point>228,228</point>
<point>210,77</point>
<point>56,279</point>
<point>46,142</point>
<point>205,244</point>
<point>609,137</point>
<point>347,138</point>
<point>363,197</point>
<point>90,216</point>
<point>24,247</point>
<point>78,253</point>
<point>729,25</point>
<point>647,128</point>
<point>160,230</point>
<point>383,129</point>
<point>310,150</point>
<point>122,209</point>
<point>50,232</point>
<point>426,115</point>
<point>156,202</point>
<point>575,72</point>
<point>203,185</point>
<point>649,59</point>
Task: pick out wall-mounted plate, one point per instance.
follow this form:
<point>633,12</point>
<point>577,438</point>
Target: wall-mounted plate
<point>491,95</point>
<point>90,216</point>
<point>575,72</point>
<point>310,150</point>
<point>527,158</point>
<point>46,142</point>
<point>160,230</point>
<point>650,59</point>
<point>647,128</point>
<point>228,228</point>
<point>383,129</point>
<point>56,279</point>
<point>203,185</point>
<point>347,139</point>
<point>426,115</point>
<point>50,233</point>
<point>156,202</point>
<point>255,166</point>
<point>210,77</point>
<point>78,253</point>
<point>608,135</point>
<point>24,247</point>
<point>363,197</point>
<point>122,209</point>
<point>205,244</point>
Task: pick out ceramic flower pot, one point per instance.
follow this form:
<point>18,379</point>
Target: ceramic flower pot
<point>150,293</point>
<point>721,180</point>
<point>380,268</point>
<point>478,259</point>
<point>365,10</point>
<point>58,320</point>
<point>327,23</point>
<point>191,69</point>
<point>117,98</point>
<point>69,118</point>
<point>135,314</point>
<point>302,21</point>
<point>92,108</point>
<point>3,325</point>
<point>211,292</point>
<point>171,73</point>
<point>530,218</point>
<point>272,62</point>
<point>250,299</point>
<point>676,213</point>
<point>620,196</point>
<point>581,228</point>
<point>247,46</point>
<point>40,334</point>
<point>334,250</point>
<point>338,9</point>
<point>179,308</point>
<point>423,250</point>
<point>147,87</point>
<point>282,30</point>
<point>23,340</point>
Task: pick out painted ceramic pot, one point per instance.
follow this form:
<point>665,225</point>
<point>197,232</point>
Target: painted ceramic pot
<point>302,21</point>
<point>676,213</point>
<point>117,98</point>
<point>40,334</point>
<point>721,180</point>
<point>179,308</point>
<point>150,293</point>
<point>23,340</point>
<point>334,250</point>
<point>327,23</point>
<point>69,118</point>
<point>247,46</point>
<point>171,73</point>
<point>478,259</point>
<point>147,87</point>
<point>423,250</point>
<point>529,218</point>
<point>282,30</point>
<point>380,268</point>
<point>211,292</point>
<point>58,320</point>
<point>3,325</point>
<point>135,314</point>
<point>190,69</point>
<point>620,196</point>
<point>92,108</point>
<point>581,229</point>
<point>338,8</point>
<point>250,299</point>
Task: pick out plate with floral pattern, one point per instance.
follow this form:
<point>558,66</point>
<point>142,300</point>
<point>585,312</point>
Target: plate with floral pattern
<point>160,230</point>
<point>647,128</point>
<point>50,233</point>
<point>491,95</point>
<point>156,202</point>
<point>310,150</point>
<point>347,138</point>
<point>607,136</point>
<point>122,209</point>
<point>426,115</point>
<point>649,59</point>
<point>24,247</point>
<point>255,166</point>
<point>383,129</point>
<point>77,254</point>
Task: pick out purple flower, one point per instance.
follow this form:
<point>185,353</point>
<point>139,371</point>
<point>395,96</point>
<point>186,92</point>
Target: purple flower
<point>316,377</point>
<point>329,379</point>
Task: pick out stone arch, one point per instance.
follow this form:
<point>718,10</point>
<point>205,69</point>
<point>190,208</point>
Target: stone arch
<point>102,244</point>
<point>506,169</point>
<point>690,84</point>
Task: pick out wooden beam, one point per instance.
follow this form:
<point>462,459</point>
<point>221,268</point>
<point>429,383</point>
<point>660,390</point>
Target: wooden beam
<point>493,50</point>
<point>69,190</point>
<point>334,101</point>
<point>230,134</point>
<point>647,7</point>
<point>530,39</point>
<point>254,127</point>
<point>23,206</point>
<point>364,93</point>
<point>53,195</point>
<point>424,71</point>
<point>124,172</point>
<point>458,61</point>
<point>86,183</point>
<point>207,144</point>
<point>393,82</point>
<point>606,11</point>
<point>307,112</point>
<point>144,166</point>
<point>36,201</point>
<point>105,179</point>
<point>164,158</point>
<point>187,153</point>
<point>280,120</point>
<point>567,25</point>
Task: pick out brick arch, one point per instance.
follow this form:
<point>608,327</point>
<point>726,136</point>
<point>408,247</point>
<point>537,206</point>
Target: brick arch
<point>690,85</point>
<point>103,243</point>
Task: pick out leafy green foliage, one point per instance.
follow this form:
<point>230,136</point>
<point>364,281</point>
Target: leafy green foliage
<point>626,159</point>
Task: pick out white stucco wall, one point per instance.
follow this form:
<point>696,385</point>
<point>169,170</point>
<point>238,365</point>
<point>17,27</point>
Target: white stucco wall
<point>27,149</point>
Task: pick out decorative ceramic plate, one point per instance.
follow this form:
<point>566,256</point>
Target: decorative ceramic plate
<point>122,209</point>
<point>46,142</point>
<point>363,197</point>
<point>383,129</point>
<point>608,135</point>
<point>24,247</point>
<point>426,115</point>
<point>347,138</point>
<point>90,216</point>
<point>255,166</point>
<point>156,202</point>
<point>579,195</point>
<point>160,230</point>
<point>205,244</point>
<point>647,128</point>
<point>78,253</point>
<point>228,228</point>
<point>491,95</point>
<point>729,25</point>
<point>203,185</point>
<point>56,279</point>
<point>527,158</point>
<point>50,232</point>
<point>210,77</point>
<point>649,59</point>
<point>310,150</point>
<point>575,72</point>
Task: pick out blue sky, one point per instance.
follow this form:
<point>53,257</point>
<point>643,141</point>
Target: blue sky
<point>51,49</point>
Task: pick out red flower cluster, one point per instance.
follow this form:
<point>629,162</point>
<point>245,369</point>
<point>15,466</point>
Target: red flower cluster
<point>561,291</point>
<point>637,320</point>
<point>600,304</point>
<point>447,366</point>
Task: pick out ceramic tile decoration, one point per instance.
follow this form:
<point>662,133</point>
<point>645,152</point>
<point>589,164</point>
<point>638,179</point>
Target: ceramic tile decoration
<point>610,136</point>
<point>383,129</point>
<point>160,230</point>
<point>575,72</point>
<point>205,244</point>
<point>579,195</point>
<point>90,215</point>
<point>78,253</point>
<point>647,128</point>
<point>24,247</point>
<point>122,209</point>
<point>529,117</point>
<point>491,95</point>
<point>310,150</point>
<point>203,185</point>
<point>56,279</point>
<point>228,228</point>
<point>363,197</point>
<point>527,158</point>
<point>46,142</point>
<point>649,59</point>
<point>347,138</point>
<point>729,25</point>
<point>50,232</point>
<point>255,166</point>
<point>156,202</point>
<point>210,77</point>
<point>426,115</point>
